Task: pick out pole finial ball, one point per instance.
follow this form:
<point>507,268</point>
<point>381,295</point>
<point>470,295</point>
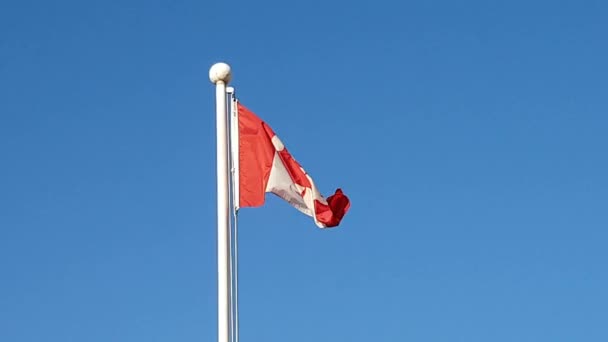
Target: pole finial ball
<point>220,72</point>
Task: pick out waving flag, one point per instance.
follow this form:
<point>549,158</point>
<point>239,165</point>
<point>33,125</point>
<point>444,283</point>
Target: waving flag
<point>265,166</point>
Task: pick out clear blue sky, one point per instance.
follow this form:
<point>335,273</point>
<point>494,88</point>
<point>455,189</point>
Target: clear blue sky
<point>470,136</point>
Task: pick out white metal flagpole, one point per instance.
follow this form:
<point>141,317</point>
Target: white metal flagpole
<point>234,187</point>
<point>220,75</point>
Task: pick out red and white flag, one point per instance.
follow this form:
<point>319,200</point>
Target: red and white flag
<point>265,165</point>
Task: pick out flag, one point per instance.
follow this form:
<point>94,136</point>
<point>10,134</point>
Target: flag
<point>266,166</point>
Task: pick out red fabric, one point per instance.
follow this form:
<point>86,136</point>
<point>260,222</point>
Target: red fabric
<point>256,154</point>
<point>332,213</point>
<point>255,158</point>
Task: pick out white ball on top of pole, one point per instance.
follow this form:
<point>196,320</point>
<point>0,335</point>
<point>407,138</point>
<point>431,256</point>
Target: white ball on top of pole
<point>220,72</point>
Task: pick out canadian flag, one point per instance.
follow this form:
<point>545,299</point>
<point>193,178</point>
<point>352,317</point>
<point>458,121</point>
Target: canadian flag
<point>265,165</point>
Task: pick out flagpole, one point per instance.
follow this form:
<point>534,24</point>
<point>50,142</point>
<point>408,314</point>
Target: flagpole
<point>234,187</point>
<point>220,75</point>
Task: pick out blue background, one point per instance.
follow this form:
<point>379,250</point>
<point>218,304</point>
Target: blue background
<point>470,137</point>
